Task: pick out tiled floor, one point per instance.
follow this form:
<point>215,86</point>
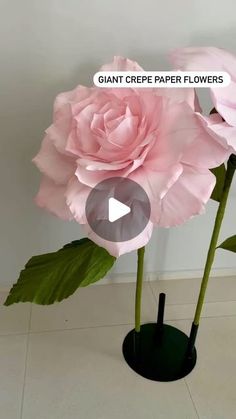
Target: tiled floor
<point>65,361</point>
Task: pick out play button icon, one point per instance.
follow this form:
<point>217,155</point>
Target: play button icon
<point>117,209</point>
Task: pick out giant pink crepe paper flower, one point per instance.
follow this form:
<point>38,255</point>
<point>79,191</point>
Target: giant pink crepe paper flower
<point>150,136</point>
<point>224,99</point>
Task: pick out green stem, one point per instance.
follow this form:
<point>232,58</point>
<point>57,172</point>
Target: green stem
<point>139,283</point>
<point>214,239</point>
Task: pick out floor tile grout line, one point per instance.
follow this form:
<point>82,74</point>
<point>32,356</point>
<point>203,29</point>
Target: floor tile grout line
<point>191,397</point>
<point>24,379</point>
<point>203,317</point>
<point>33,332</point>
<point>186,303</point>
<point>207,302</point>
<point>5,335</point>
<point>30,318</point>
<point>26,363</point>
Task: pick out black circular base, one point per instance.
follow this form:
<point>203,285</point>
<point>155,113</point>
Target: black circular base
<point>159,354</point>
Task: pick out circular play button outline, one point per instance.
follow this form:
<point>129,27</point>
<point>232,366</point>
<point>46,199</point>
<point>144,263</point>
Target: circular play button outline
<point>106,206</point>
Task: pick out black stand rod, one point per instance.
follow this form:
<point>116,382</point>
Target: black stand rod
<point>160,314</point>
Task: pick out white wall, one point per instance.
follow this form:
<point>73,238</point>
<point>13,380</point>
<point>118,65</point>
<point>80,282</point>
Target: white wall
<point>48,46</point>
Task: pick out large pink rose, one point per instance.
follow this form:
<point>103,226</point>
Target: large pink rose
<point>150,136</point>
<point>223,99</point>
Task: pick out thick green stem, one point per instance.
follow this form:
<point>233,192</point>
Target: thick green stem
<point>139,284</point>
<point>214,239</point>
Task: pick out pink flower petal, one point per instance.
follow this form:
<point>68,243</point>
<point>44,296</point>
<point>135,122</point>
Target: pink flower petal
<point>224,100</point>
<point>58,167</point>
<point>92,177</point>
<point>93,165</point>
<point>207,150</point>
<point>52,198</point>
<point>150,110</point>
<point>82,137</point>
<point>60,129</point>
<point>187,197</point>
<point>156,184</point>
<point>121,64</point>
<point>76,197</point>
<point>179,127</point>
<point>204,59</point>
<point>224,134</point>
<point>181,95</point>
<point>212,59</point>
<point>79,94</point>
<point>119,248</point>
<point>125,133</point>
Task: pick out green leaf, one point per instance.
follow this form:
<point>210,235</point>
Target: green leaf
<point>54,276</point>
<point>219,173</point>
<point>229,244</point>
<point>75,243</point>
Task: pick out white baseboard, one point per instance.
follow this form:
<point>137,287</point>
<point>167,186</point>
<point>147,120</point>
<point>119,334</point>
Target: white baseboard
<point>168,275</point>
<point>190,274</point>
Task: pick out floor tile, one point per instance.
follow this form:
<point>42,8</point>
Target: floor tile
<point>15,318</point>
<point>185,291</point>
<point>92,306</point>
<point>213,381</point>
<point>81,374</point>
<point>12,366</point>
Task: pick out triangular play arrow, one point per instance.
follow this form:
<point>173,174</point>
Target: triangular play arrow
<point>117,209</point>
